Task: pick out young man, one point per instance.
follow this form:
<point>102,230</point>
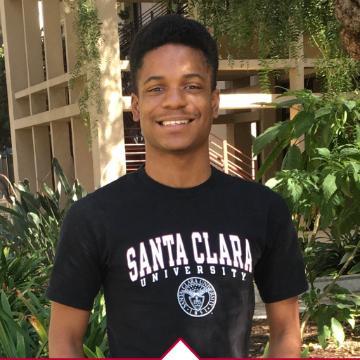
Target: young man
<point>177,245</point>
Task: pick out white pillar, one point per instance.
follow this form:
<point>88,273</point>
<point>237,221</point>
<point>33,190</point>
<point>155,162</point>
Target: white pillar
<point>109,147</point>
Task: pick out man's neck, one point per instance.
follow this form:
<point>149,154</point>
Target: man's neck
<point>179,170</point>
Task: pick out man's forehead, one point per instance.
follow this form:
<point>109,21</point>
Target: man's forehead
<point>174,60</point>
<point>176,53</point>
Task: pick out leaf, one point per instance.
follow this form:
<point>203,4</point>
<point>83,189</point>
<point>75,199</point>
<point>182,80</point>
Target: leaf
<point>355,167</point>
<point>62,178</point>
<point>12,325</point>
<point>329,186</point>
<point>266,350</point>
<point>271,183</point>
<point>349,151</point>
<point>293,159</point>
<point>88,353</point>
<point>357,134</point>
<point>268,136</point>
<point>345,258</point>
<point>99,353</point>
<point>351,322</point>
<point>30,199</point>
<point>20,346</point>
<point>326,134</point>
<point>302,122</point>
<point>271,158</point>
<point>343,306</point>
<point>10,211</point>
<point>285,131</point>
<point>39,328</point>
<point>345,186</point>
<point>322,112</point>
<point>7,346</point>
<point>345,116</point>
<point>338,290</point>
<point>288,103</point>
<point>5,304</point>
<point>33,303</point>
<point>305,352</point>
<point>350,104</point>
<point>323,334</point>
<point>337,331</point>
<point>34,218</point>
<point>294,189</point>
<point>355,269</point>
<point>324,152</point>
<point>21,187</point>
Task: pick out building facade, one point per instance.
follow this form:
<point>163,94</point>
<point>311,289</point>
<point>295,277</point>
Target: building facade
<point>40,53</point>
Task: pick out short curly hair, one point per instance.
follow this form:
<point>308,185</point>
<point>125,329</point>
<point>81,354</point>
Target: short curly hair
<point>173,29</point>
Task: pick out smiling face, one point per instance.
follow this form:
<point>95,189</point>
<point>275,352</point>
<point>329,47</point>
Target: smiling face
<point>174,103</point>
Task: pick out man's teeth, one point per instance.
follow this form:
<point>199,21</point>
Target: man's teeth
<point>175,122</point>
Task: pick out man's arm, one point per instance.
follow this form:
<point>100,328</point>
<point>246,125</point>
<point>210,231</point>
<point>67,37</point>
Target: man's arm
<point>284,323</point>
<point>67,329</point>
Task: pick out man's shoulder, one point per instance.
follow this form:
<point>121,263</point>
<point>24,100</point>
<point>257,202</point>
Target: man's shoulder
<point>117,190</point>
<point>121,185</point>
<point>252,197</point>
<point>248,188</point>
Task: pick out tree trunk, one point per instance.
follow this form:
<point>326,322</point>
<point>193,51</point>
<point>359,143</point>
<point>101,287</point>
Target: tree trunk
<point>348,13</point>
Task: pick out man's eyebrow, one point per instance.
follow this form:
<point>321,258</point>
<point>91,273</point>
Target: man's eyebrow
<point>153,78</point>
<point>186,76</point>
<point>196,75</point>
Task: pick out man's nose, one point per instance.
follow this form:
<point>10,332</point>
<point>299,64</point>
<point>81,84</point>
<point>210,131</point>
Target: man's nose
<point>174,98</point>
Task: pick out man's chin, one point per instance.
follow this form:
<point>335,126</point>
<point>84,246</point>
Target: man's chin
<point>177,150</point>
<point>180,150</point>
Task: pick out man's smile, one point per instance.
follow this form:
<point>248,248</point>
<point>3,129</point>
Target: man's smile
<point>179,122</point>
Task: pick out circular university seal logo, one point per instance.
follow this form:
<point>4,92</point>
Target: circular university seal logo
<point>196,296</point>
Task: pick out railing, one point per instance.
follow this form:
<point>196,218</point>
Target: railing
<point>223,156</point>
<point>230,159</point>
<point>135,154</point>
<point>128,31</point>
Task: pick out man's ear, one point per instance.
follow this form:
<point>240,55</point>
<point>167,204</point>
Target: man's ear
<point>135,107</point>
<point>215,101</point>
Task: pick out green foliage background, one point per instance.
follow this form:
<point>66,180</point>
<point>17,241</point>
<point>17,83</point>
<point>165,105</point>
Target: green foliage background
<point>29,230</point>
<point>271,29</point>
<point>87,67</point>
<point>320,180</point>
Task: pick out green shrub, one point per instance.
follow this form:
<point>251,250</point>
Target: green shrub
<point>29,230</point>
<point>320,180</point>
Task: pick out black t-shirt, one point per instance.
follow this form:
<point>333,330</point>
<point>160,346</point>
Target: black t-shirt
<point>177,263</point>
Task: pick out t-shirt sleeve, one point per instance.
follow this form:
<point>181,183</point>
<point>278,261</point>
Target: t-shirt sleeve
<point>279,273</point>
<point>77,272</point>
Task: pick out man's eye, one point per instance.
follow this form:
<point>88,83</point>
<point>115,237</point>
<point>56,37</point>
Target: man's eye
<point>193,87</point>
<point>155,89</point>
